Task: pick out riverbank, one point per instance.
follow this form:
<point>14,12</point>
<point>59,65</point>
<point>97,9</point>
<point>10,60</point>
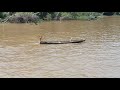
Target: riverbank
<point>36,17</point>
<point>22,20</point>
<point>31,17</point>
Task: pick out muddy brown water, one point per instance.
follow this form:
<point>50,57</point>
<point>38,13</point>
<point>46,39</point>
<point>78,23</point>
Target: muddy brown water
<point>22,56</point>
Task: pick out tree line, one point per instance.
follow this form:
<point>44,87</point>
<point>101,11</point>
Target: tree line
<point>30,17</point>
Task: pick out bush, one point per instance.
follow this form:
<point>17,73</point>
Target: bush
<point>23,17</point>
<point>3,15</point>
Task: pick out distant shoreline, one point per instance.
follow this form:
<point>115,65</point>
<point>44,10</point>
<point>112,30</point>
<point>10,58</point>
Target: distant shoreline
<point>82,19</point>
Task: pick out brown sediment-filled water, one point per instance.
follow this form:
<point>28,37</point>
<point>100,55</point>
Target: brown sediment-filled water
<point>22,56</point>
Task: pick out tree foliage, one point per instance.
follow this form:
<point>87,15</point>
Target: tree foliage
<point>25,17</point>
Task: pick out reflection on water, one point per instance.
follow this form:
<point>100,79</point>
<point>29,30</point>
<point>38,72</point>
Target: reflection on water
<point>21,55</point>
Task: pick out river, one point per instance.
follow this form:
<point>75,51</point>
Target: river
<point>21,55</point>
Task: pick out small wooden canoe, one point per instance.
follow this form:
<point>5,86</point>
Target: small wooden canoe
<point>61,42</point>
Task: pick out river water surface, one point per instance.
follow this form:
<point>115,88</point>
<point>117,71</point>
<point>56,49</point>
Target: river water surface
<point>22,56</point>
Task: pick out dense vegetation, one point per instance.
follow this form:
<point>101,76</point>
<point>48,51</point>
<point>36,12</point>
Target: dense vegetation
<point>30,17</point>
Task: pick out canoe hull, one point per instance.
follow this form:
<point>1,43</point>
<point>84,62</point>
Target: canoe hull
<point>61,42</point>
